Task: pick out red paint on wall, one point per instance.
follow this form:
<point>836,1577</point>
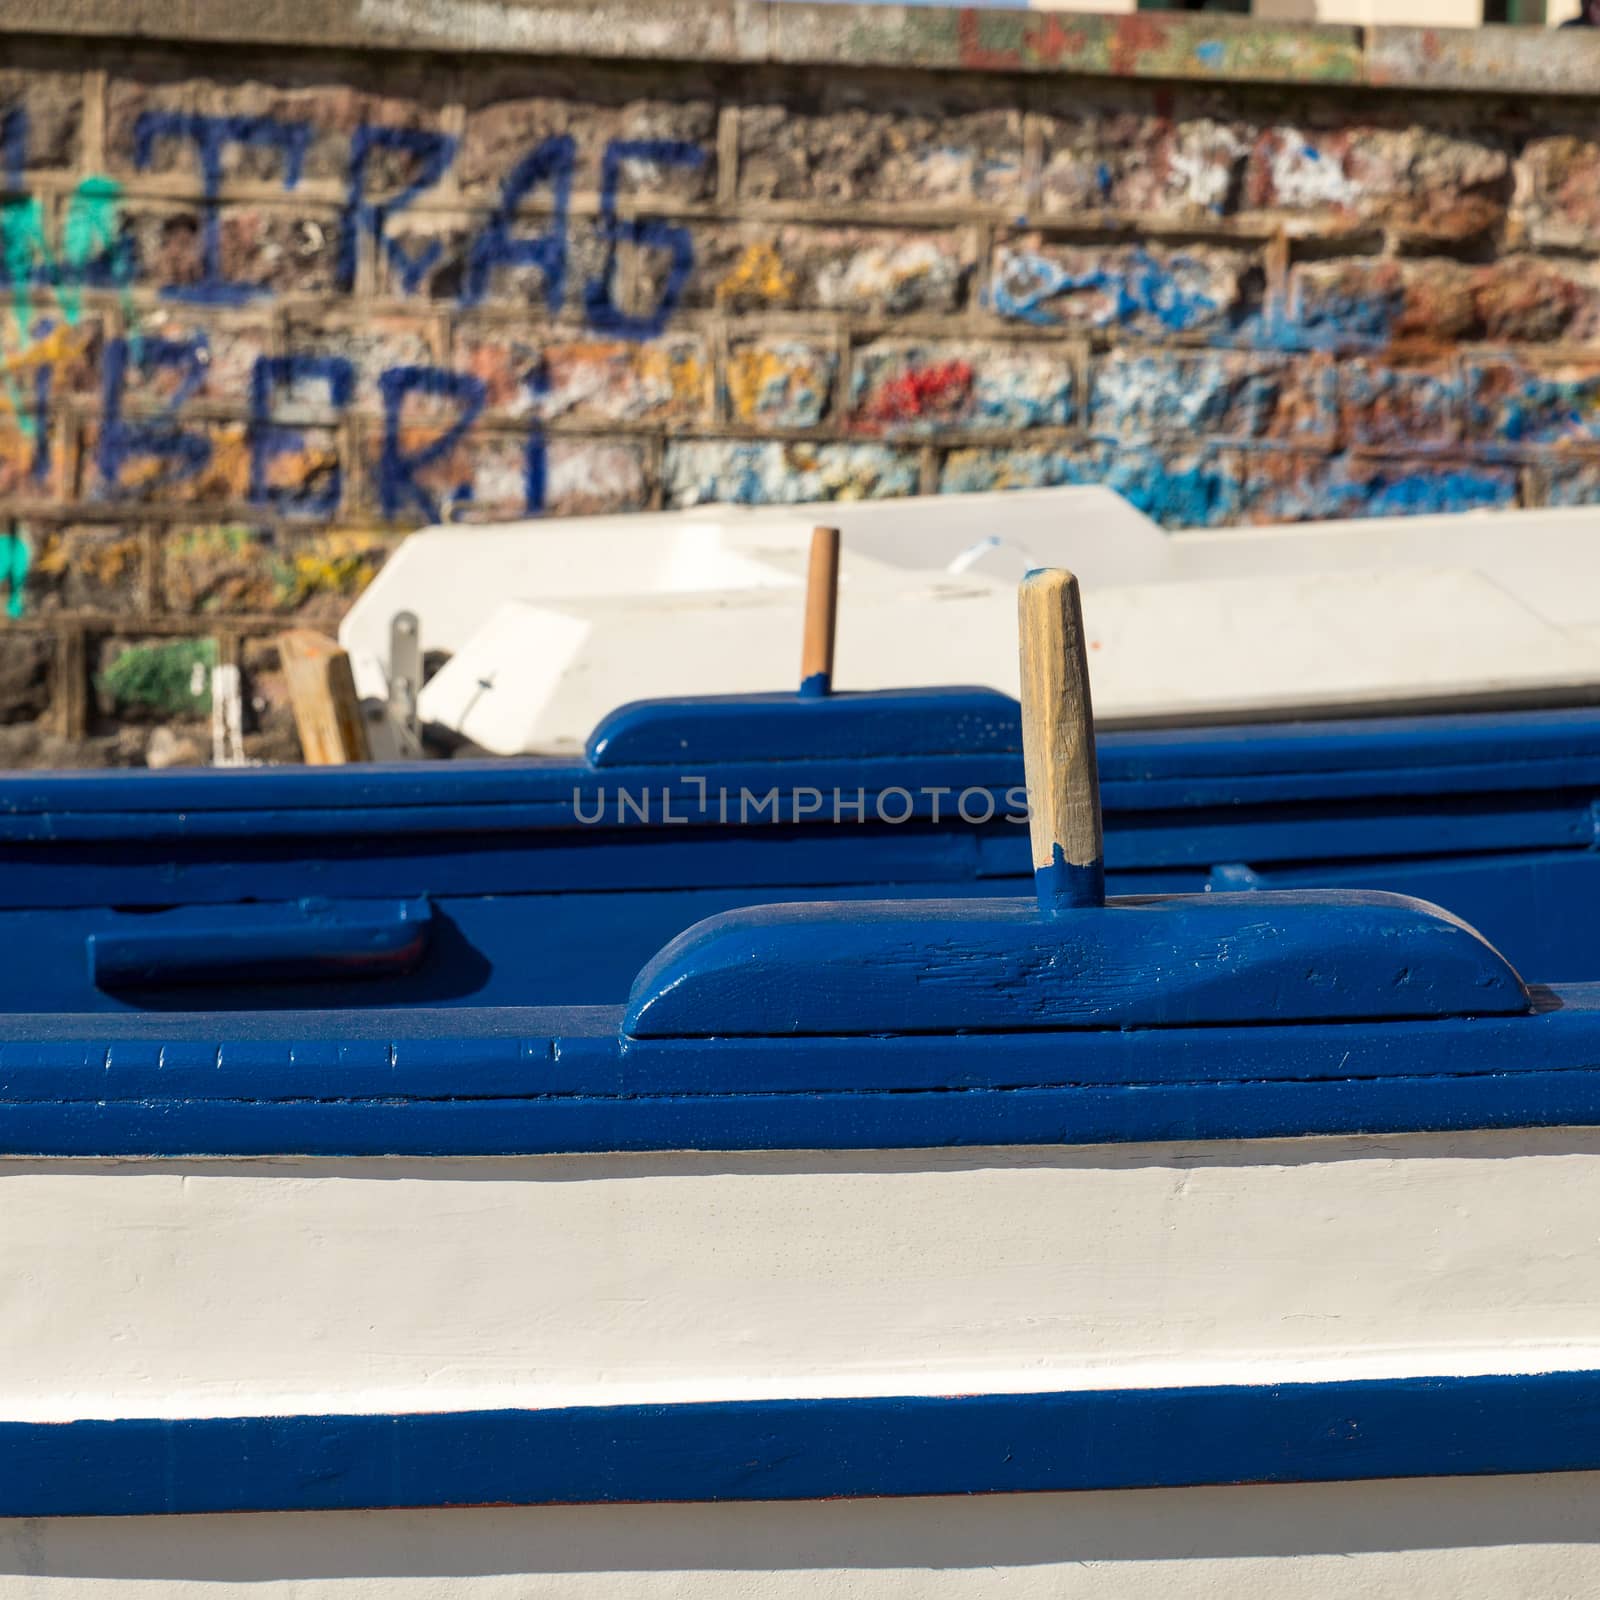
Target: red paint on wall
<point>1048,43</point>
<point>974,53</point>
<point>912,396</point>
<point>1131,38</point>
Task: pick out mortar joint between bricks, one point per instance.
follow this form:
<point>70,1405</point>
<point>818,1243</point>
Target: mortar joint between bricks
<point>721,348</point>
<point>92,130</point>
<point>1032,184</point>
<point>845,381</point>
<point>657,454</point>
<point>977,311</point>
<point>152,540</point>
<point>728,116</point>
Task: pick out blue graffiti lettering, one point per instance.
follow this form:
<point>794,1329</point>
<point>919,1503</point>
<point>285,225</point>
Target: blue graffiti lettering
<point>499,246</point>
<point>269,439</point>
<point>535,463</point>
<point>160,439</point>
<point>14,148</point>
<point>433,153</point>
<point>397,468</point>
<point>643,234</point>
<point>211,136</point>
<point>43,378</point>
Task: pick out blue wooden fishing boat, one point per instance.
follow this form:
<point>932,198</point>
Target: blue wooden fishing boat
<point>863,1245</point>
<point>536,882</point>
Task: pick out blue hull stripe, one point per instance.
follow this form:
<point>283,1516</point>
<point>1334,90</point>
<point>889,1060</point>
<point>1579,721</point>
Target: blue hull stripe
<point>904,1121</point>
<point>808,1449</point>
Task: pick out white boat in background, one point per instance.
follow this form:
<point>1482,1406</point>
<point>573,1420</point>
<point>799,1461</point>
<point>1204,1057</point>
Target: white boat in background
<point>552,624</point>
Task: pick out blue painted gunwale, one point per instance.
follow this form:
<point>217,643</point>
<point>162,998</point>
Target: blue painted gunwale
<point>1139,770</point>
<point>1178,805</point>
<point>508,1082</point>
<point>814,724</point>
<point>808,1449</point>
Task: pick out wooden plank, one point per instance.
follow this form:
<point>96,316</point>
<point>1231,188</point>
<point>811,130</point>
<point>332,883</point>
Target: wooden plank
<point>322,693</point>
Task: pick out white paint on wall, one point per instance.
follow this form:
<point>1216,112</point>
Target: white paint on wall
<point>1371,13</point>
<point>1427,1539</point>
<point>493,25</point>
<point>1305,176</point>
<point>209,1287</point>
<point>1368,13</point>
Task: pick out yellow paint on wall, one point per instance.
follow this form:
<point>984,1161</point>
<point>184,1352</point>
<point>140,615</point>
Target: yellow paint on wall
<point>340,564</point>
<point>673,370</point>
<point>752,373</point>
<point>324,573</point>
<point>106,561</point>
<point>760,273</point>
<point>60,345</point>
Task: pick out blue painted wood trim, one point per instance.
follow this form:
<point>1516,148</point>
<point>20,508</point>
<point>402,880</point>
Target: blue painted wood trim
<point>813,725</point>
<point>538,1053</point>
<point>1059,886</point>
<point>1073,1115</point>
<point>1139,771</point>
<point>808,1449</point>
<point>490,1082</point>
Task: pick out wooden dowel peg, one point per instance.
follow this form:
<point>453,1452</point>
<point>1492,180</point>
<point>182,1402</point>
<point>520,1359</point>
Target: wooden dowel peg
<point>322,695</point>
<point>1058,744</point>
<point>822,610</point>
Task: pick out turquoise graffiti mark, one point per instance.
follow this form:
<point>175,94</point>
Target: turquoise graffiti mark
<point>89,231</point>
<point>14,561</point>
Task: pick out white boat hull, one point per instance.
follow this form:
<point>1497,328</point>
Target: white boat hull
<point>551,625</point>
<point>324,1290</point>
<point>165,1288</point>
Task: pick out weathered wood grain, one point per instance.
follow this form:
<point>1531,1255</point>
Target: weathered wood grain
<point>822,611</point>
<point>1058,748</point>
<point>322,693</point>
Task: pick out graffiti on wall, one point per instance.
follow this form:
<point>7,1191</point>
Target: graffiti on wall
<point>45,284</point>
<point>41,332</point>
<point>585,264</point>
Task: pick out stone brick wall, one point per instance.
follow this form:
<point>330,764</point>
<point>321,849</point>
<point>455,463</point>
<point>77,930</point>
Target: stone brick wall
<point>266,307</point>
